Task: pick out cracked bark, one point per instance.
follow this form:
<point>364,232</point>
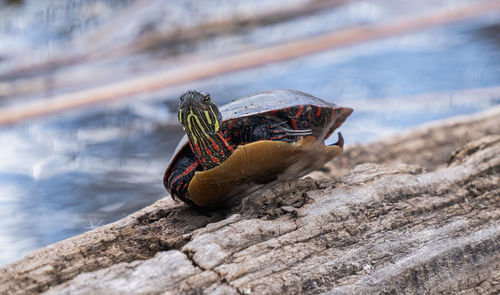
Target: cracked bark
<point>421,220</point>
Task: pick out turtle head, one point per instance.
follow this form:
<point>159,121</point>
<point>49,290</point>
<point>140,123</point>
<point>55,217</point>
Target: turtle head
<point>201,120</point>
<point>198,114</point>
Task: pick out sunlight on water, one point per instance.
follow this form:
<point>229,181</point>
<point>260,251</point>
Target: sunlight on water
<point>13,218</point>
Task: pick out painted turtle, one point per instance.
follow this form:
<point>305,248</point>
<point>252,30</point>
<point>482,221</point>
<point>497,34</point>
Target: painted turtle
<point>250,141</point>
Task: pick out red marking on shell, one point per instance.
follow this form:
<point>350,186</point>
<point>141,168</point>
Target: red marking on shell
<point>297,115</point>
<point>299,112</point>
<point>318,112</point>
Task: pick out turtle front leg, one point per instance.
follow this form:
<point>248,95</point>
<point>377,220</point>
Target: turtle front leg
<point>281,132</point>
<point>182,173</point>
<point>267,131</point>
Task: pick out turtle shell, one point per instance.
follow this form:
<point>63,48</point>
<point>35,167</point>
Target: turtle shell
<point>257,104</point>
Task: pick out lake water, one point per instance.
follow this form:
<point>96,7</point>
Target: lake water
<point>66,174</point>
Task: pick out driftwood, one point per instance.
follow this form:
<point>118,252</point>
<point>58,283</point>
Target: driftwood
<point>424,219</point>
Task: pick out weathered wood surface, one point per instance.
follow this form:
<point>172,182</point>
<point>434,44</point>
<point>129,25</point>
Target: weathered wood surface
<point>424,219</point>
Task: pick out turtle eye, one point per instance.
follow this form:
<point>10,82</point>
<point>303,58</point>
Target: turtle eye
<point>206,98</point>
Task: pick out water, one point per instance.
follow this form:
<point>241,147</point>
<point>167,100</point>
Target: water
<point>68,173</point>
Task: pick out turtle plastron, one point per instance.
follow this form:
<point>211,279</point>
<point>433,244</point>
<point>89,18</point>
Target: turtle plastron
<point>258,163</point>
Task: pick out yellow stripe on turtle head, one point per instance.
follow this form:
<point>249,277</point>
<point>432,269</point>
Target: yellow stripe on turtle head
<point>216,126</point>
<point>179,116</point>
<point>209,119</point>
<point>207,114</point>
<point>198,122</point>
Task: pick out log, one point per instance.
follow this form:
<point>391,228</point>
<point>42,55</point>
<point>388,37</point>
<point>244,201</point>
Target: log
<point>400,225</point>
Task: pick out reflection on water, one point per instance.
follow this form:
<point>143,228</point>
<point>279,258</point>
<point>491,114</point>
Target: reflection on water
<point>42,22</point>
<point>67,174</point>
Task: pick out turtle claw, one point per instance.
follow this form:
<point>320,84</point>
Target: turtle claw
<point>278,132</point>
<point>303,132</point>
<point>280,124</point>
<point>340,141</point>
<point>290,132</point>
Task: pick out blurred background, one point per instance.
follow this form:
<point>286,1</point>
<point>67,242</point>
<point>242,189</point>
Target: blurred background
<point>69,171</point>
